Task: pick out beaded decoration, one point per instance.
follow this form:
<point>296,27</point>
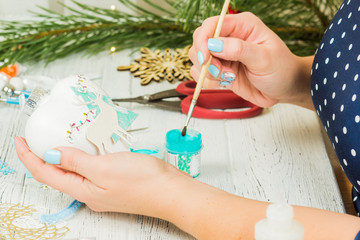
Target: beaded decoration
<point>19,223</point>
<point>5,169</point>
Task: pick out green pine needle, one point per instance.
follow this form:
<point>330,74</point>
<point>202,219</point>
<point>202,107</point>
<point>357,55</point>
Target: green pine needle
<point>300,23</point>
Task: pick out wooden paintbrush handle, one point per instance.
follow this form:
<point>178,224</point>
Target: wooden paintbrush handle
<point>205,67</point>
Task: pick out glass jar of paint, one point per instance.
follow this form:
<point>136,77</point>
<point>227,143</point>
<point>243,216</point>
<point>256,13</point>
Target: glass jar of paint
<point>184,152</point>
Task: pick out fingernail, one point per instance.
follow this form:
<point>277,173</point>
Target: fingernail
<point>215,45</point>
<point>225,83</point>
<point>213,70</point>
<point>228,76</point>
<point>53,156</point>
<point>200,58</point>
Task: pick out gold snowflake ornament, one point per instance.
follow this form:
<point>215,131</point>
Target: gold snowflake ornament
<point>158,65</point>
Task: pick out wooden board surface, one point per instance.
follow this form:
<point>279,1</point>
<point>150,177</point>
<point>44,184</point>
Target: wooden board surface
<point>277,156</point>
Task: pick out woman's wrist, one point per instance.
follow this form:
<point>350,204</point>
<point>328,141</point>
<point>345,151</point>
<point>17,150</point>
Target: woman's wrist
<point>300,94</point>
<point>207,212</point>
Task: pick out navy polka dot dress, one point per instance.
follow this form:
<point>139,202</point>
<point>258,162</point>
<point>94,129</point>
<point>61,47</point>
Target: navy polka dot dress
<point>335,89</point>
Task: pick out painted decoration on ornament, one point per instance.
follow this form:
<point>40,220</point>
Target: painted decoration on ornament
<point>77,113</point>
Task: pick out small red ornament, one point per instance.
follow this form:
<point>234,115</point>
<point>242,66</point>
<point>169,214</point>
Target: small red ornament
<point>233,11</point>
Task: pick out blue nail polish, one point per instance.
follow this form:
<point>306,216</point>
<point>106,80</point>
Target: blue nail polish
<point>213,70</point>
<point>225,83</point>
<point>53,156</point>
<point>228,76</point>
<point>215,45</point>
<point>200,58</point>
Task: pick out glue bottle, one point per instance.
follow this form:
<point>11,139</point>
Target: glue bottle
<point>279,224</point>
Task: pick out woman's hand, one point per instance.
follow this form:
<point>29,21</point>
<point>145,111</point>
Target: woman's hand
<point>251,60</point>
<point>141,184</point>
<point>120,182</point>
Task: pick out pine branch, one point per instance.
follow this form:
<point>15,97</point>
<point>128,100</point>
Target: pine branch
<point>300,23</point>
<point>91,30</point>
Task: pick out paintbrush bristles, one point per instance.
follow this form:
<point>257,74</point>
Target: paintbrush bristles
<point>183,132</point>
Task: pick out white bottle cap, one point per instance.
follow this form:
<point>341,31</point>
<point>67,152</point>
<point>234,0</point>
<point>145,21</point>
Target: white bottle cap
<point>279,224</point>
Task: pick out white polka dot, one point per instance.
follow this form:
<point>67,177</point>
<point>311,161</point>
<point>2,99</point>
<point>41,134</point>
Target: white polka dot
<point>327,123</point>
<point>316,87</point>
<point>317,112</point>
<point>339,21</point>
<point>344,86</point>
<point>353,98</point>
<point>343,34</point>
<point>353,152</point>
<point>350,46</point>
<point>338,54</point>
<point>336,139</point>
<point>358,58</point>
<point>359,9</point>
<point>320,108</point>
<point>345,162</point>
<point>356,77</point>
<point>348,2</point>
<point>349,16</point>
<point>342,108</point>
<point>354,27</point>
<point>312,92</point>
<point>335,74</point>
<point>333,146</point>
<point>331,40</point>
<point>316,51</point>
<point>325,81</point>
<point>316,66</point>
<point>347,66</point>
<point>354,199</point>
<point>344,130</point>
<point>331,25</point>
<point>322,45</point>
<point>326,60</point>
<point>342,5</point>
<point>358,182</point>
<point>311,72</point>
<point>333,95</point>
<point>333,117</point>
<point>325,102</point>
<point>357,118</point>
<point>356,189</point>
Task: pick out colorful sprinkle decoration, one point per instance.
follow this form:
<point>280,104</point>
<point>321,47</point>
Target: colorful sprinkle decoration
<point>5,169</point>
<point>77,126</point>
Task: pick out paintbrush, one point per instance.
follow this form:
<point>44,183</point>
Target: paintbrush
<point>205,68</point>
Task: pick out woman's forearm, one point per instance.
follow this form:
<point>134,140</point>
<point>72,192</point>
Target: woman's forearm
<point>209,213</point>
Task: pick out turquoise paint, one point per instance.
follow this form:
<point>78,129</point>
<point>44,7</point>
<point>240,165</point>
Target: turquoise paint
<point>145,151</point>
<point>152,149</point>
<point>184,151</point>
<point>189,143</point>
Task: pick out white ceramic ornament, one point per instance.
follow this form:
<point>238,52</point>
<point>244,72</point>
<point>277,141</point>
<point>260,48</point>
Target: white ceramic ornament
<point>76,113</point>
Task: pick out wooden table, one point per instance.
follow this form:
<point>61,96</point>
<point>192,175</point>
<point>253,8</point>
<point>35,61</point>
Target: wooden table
<point>277,156</point>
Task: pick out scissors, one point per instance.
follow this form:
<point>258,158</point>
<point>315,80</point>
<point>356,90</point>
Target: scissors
<point>211,104</point>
